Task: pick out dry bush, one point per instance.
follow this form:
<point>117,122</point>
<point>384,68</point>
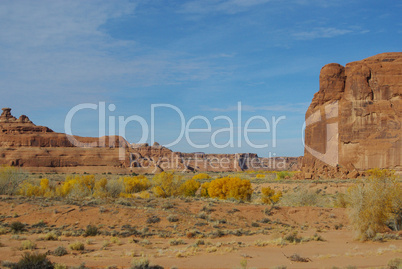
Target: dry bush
<point>375,201</point>
<point>114,188</point>
<point>303,196</point>
<point>228,187</point>
<point>77,246</point>
<point>10,179</point>
<point>27,245</point>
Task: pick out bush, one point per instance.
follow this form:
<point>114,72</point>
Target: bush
<point>136,184</point>
<point>60,251</point>
<point>10,179</point>
<point>283,174</point>
<point>33,261</point>
<point>77,246</point>
<point>52,236</point>
<point>153,219</point>
<point>176,242</point>
<point>166,185</point>
<point>189,187</point>
<point>29,189</point>
<point>375,201</point>
<point>27,245</point>
<point>77,187</point>
<point>91,230</point>
<point>17,227</point>
<point>395,263</point>
<point>201,176</point>
<point>228,187</point>
<point>172,218</point>
<point>269,196</point>
<point>302,196</point>
<point>114,187</point>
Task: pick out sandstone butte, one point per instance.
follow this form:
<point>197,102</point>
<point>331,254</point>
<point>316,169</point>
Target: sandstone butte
<point>354,121</point>
<point>39,149</point>
<point>353,124</point>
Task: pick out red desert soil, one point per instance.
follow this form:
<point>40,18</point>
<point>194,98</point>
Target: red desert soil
<point>242,227</point>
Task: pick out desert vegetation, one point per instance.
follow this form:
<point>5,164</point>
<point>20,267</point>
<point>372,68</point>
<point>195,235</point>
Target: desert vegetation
<point>153,217</point>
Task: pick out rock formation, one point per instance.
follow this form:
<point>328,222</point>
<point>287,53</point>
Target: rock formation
<point>24,144</point>
<point>354,121</point>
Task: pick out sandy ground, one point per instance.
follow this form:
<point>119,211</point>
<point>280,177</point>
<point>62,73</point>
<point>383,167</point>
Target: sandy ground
<point>214,234</point>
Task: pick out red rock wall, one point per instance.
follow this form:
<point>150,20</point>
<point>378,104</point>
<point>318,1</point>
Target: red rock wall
<point>366,103</point>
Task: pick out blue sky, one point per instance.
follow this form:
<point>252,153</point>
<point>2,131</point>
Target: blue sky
<point>202,57</point>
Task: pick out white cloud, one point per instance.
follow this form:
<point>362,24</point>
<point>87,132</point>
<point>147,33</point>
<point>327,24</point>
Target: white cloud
<point>321,32</point>
<point>219,6</point>
<point>297,107</point>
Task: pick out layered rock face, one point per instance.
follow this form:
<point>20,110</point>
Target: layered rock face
<point>24,144</point>
<point>354,120</point>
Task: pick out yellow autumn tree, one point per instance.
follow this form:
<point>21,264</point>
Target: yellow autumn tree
<point>229,187</point>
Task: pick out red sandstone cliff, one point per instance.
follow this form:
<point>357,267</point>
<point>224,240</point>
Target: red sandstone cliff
<point>354,120</point>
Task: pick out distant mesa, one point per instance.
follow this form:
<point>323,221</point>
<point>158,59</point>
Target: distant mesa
<point>38,148</point>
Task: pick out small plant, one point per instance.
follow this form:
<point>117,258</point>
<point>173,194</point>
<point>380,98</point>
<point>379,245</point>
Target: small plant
<point>140,264</point>
<point>201,176</point>
<point>395,263</point>
<point>91,230</point>
<point>115,240</point>
<point>283,175</point>
<point>175,242</point>
<point>77,246</point>
<point>51,236</point>
<point>172,218</point>
<point>269,196</point>
<point>153,219</point>
<point>17,227</point>
<point>243,264</point>
<point>27,245</point>
<point>60,251</point>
